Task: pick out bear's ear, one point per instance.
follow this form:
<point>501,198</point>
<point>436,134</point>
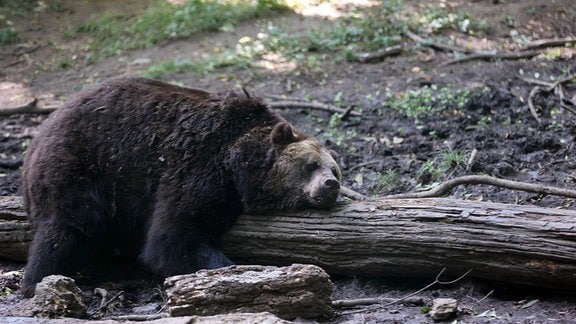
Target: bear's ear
<point>282,134</point>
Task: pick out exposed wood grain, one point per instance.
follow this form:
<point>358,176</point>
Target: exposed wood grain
<point>517,244</point>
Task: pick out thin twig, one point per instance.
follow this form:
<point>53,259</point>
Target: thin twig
<point>139,317</point>
<point>347,192</point>
<point>531,106</point>
<point>357,166</point>
<point>476,303</point>
<point>378,56</point>
<point>311,105</point>
<point>436,281</point>
<point>490,56</point>
<point>30,107</point>
<point>411,295</point>
<point>547,43</point>
<point>438,46</point>
<point>447,186</point>
<point>555,86</point>
<point>471,159</point>
<point>347,303</point>
<point>347,112</point>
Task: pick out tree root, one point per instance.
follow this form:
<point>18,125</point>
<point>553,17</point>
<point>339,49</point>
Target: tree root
<point>547,87</point>
<point>447,186</point>
<point>312,105</point>
<point>524,52</point>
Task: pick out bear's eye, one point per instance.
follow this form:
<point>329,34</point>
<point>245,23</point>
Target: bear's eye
<point>311,166</point>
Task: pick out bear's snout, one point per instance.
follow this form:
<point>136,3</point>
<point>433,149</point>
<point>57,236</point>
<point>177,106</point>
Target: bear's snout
<point>332,183</point>
<point>325,193</point>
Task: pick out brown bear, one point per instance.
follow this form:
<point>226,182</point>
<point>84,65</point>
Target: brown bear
<point>159,171</point>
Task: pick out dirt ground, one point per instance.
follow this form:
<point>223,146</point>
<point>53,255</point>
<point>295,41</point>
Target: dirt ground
<point>497,125</point>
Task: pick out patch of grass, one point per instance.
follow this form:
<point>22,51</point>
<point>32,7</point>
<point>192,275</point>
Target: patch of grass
<point>241,56</point>
<point>162,21</point>
<point>364,29</point>
<point>177,66</point>
<point>387,180</point>
<point>435,19</point>
<point>429,101</point>
<point>433,170</point>
<point>452,159</point>
<point>8,35</point>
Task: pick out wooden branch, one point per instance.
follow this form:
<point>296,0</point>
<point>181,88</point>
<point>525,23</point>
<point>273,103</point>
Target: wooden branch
<point>28,108</point>
<point>523,245</point>
<point>548,43</point>
<point>531,106</point>
<point>447,186</point>
<point>311,105</point>
<point>490,56</point>
<point>426,42</point>
<point>378,56</point>
<point>555,86</point>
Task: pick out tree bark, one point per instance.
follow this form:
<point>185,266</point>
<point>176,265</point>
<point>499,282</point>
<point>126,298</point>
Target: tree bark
<point>516,244</point>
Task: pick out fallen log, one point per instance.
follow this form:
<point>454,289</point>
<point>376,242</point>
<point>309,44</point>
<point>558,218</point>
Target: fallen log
<point>516,244</point>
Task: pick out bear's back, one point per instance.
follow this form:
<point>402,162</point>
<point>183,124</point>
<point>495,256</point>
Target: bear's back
<point>135,130</point>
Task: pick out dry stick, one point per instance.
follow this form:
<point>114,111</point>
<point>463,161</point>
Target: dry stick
<point>347,303</point>
<point>311,105</point>
<point>471,159</point>
<point>104,305</point>
<point>550,86</point>
<point>347,192</point>
<point>565,102</point>
<point>28,108</point>
<point>548,43</point>
<point>490,56</point>
<point>380,55</point>
<point>476,303</point>
<point>347,112</point>
<point>411,295</point>
<point>140,318</point>
<point>531,106</point>
<point>436,281</point>
<point>438,46</point>
<point>357,166</point>
<point>447,186</point>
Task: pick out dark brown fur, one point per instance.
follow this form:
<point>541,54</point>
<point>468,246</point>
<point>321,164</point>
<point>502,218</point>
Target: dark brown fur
<point>160,171</point>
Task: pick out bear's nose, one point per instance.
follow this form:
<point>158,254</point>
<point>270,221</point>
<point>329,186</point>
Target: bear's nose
<point>332,183</point>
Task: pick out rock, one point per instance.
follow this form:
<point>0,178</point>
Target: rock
<point>443,308</point>
<point>288,292</point>
<point>58,296</point>
<point>238,318</point>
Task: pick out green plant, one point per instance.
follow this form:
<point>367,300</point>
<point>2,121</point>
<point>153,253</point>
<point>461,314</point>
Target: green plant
<point>387,180</point>
<point>484,122</point>
<point>428,101</point>
<point>433,19</point>
<point>430,172</point>
<point>452,159</point>
<point>112,34</point>
<point>363,30</point>
<point>8,35</point>
<point>335,133</point>
<point>433,170</point>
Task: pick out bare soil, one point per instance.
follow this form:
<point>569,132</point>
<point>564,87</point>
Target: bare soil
<point>497,124</point>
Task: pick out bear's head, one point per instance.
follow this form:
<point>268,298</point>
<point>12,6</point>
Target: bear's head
<point>304,174</point>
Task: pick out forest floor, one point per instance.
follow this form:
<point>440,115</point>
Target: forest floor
<point>483,125</point>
